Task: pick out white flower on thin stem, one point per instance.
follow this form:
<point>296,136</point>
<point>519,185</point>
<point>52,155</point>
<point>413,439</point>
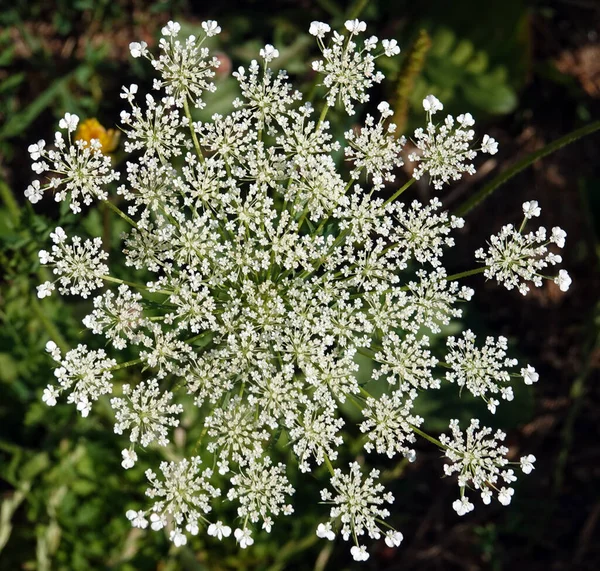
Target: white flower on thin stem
<point>462,506</point>
<point>563,280</point>
<point>527,463</point>
<point>445,151</point>
<point>138,49</point>
<point>137,518</point>
<point>393,538</point>
<point>319,29</point>
<point>211,27</point>
<point>529,375</point>
<point>269,53</point>
<point>514,258</point>
<point>531,209</point>
<point>243,537</point>
<point>359,553</point>
<point>324,531</point>
<point>68,122</point>
<point>432,104</point>
<point>355,26</point>
<point>129,458</point>
<point>219,530</point>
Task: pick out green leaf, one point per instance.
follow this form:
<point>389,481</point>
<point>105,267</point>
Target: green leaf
<point>494,98</point>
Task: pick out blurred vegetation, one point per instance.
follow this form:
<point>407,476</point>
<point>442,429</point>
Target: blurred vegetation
<point>63,493</point>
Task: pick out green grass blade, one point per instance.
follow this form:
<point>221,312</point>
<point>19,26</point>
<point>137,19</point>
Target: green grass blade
<point>523,164</point>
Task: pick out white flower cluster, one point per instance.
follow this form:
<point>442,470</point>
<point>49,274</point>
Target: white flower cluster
<point>445,151</point>
<point>349,72</point>
<point>79,265</point>
<point>82,170</point>
<point>514,258</point>
<point>482,371</point>
<point>357,505</point>
<point>480,461</point>
<point>264,271</point>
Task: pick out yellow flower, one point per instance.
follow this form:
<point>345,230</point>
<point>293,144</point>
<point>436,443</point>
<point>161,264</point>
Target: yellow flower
<point>92,129</point>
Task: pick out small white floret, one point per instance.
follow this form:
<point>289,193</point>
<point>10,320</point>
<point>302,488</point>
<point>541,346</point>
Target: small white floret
<point>318,29</point>
<point>243,537</point>
<point>463,506</point>
<point>178,538</point>
<point>359,553</point>
<point>219,530</point>
<point>129,458</point>
<point>393,538</point>
<point>531,209</point>
<point>355,26</point>
<point>324,531</point>
<point>563,280</point>
<point>432,104</point>
<point>527,463</point>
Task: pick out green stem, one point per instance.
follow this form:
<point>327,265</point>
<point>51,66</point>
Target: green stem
<point>399,192</point>
<point>427,437</point>
<point>120,213</point>
<point>322,116</point>
<point>188,114</point>
<point>523,164</point>
<point>125,365</point>
<point>133,284</point>
<point>466,274</point>
<point>328,464</point>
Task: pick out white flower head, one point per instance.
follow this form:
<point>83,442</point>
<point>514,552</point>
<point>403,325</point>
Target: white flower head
<point>261,272</point>
<point>526,463</point>
<point>171,29</point>
<point>138,49</point>
<point>393,538</point>
<point>563,280</point>
<point>129,458</point>
<point>432,104</point>
<point>45,290</point>
<point>49,395</point>
<point>137,518</point>
<point>529,375</point>
<point>243,537</point>
<point>211,28</point>
<point>489,145</point>
<point>269,53</point>
<point>558,236</point>
<point>219,530</point>
<point>390,47</point>
<point>359,553</point>
<point>531,209</point>
<point>324,531</point>
<point>463,506</point>
<point>319,29</point>
<point>68,122</point>
<point>177,537</point>
<point>355,26</point>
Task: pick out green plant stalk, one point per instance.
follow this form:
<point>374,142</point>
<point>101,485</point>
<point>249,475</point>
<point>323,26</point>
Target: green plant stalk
<point>188,114</point>
<point>505,176</point>
<point>120,213</point>
<point>466,274</point>
<point>399,192</point>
